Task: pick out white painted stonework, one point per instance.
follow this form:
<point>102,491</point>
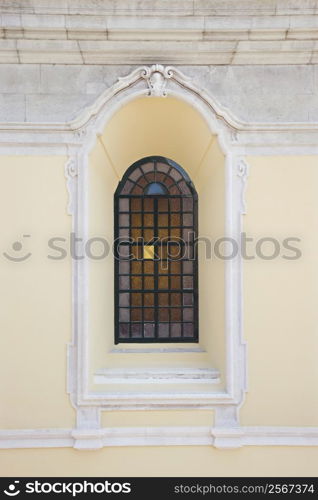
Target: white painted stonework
<point>81,61</point>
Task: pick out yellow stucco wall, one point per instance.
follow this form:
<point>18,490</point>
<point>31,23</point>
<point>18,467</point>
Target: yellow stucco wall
<point>280,313</point>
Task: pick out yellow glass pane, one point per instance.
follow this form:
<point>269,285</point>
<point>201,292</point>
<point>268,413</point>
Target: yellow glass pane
<point>149,252</point>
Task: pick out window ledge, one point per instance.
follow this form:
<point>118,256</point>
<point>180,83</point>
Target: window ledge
<point>155,350</point>
<point>157,375</point>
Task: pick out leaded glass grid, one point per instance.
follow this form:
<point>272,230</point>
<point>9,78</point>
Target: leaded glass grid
<point>156,269</point>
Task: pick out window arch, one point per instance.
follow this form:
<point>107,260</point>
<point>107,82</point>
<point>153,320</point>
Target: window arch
<point>156,266</point>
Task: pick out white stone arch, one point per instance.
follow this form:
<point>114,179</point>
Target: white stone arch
<point>155,81</point>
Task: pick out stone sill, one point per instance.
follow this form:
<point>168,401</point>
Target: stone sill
<point>157,375</point>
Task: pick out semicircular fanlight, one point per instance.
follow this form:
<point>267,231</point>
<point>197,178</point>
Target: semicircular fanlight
<point>155,188</point>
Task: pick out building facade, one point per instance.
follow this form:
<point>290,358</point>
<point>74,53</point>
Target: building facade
<point>125,119</point>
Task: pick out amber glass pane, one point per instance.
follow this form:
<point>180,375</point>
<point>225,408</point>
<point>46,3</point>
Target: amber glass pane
<point>163,267</point>
<point>175,219</point>
<point>163,282</point>
<point>174,190</point>
<point>148,267</point>
<point>136,299</point>
<point>136,252</point>
<point>149,299</point>
<point>163,299</point>
<point>176,299</point>
<point>175,233</point>
<point>175,267</point>
<point>149,282</point>
<point>149,314</point>
<point>148,234</point>
<point>124,205</point>
<point>162,205</point>
<point>148,204</point>
<point>136,220</point>
<point>148,220</point>
<point>136,205</point>
<point>137,190</point>
<point>136,233</point>
<point>163,220</point>
<point>162,252</point>
<point>175,204</point>
<point>150,177</point>
<point>175,282</point>
<point>175,314</point>
<point>163,314</point>
<point>163,233</point>
<point>136,282</point>
<point>136,267</point>
<point>175,251</point>
<point>136,314</point>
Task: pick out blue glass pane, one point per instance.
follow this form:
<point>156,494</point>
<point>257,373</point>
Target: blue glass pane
<point>156,188</point>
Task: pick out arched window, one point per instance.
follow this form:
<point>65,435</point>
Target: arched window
<point>156,270</point>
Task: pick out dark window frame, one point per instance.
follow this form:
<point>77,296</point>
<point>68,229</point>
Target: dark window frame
<point>191,193</point>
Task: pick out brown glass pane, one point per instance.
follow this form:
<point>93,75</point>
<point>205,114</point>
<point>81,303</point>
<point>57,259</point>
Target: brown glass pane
<point>137,190</point>
<point>143,182</point>
<point>175,219</point>
<point>124,299</point>
<point>124,205</point>
<point>136,233</point>
<point>148,283</point>
<point>136,282</point>
<point>163,282</point>
<point>148,234</point>
<point>188,314</point>
<point>148,220</point>
<point>163,205</point>
<point>187,219</point>
<point>136,252</point>
<point>150,177</point>
<point>175,251</point>
<point>175,330</point>
<point>123,330</point>
<point>169,182</point>
<point>174,190</point>
<point>135,174</point>
<point>149,299</point>
<point>187,282</point>
<point>136,220</point>
<point>123,314</point>
<point>163,314</point>
<point>162,252</point>
<point>136,267</point>
<point>187,299</point>
<point>175,267</point>
<point>175,204</point>
<point>148,267</point>
<point>124,282</point>
<point>163,299</point>
<point>163,233</point>
<point>163,267</point>
<point>136,205</point>
<point>163,329</point>
<point>187,267</point>
<point>124,267</point>
<point>175,314</point>
<point>148,204</point>
<point>149,330</point>
<point>163,220</point>
<point>136,314</point>
<point>136,331</point>
<point>175,282</point>
<point>176,299</point>
<point>188,330</point>
<point>149,314</point>
<point>175,232</point>
<point>136,299</point>
<point>187,204</point>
